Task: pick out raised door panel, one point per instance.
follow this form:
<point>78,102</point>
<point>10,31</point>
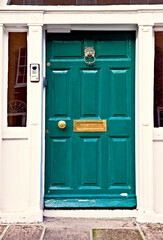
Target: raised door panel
<point>60,93</point>
<point>66,49</point>
<point>119,165</point>
<point>112,49</point>
<point>89,93</point>
<point>60,163</point>
<point>119,85</point>
<point>89,162</point>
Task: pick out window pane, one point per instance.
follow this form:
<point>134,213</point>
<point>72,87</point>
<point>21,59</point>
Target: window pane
<point>83,2</point>
<point>158,80</point>
<point>17,80</point>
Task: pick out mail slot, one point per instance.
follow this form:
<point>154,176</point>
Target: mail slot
<point>90,126</point>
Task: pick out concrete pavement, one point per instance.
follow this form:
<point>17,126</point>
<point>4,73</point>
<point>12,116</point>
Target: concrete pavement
<point>83,229</point>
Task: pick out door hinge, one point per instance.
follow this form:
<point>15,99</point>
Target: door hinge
<point>44,82</point>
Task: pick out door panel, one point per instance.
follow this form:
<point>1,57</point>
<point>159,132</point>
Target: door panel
<point>64,49</point>
<point>60,172</point>
<point>60,98</point>
<point>112,48</point>
<point>89,93</point>
<point>119,164</point>
<point>119,88</point>
<point>90,169</point>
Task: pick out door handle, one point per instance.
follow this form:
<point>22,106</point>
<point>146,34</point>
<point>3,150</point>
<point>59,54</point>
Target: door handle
<point>61,124</point>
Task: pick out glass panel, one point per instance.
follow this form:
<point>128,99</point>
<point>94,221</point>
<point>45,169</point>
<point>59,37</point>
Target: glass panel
<point>17,80</point>
<point>158,80</point>
<point>83,2</point>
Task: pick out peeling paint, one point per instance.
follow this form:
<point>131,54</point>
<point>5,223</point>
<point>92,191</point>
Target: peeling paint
<point>83,200</point>
<point>124,194</point>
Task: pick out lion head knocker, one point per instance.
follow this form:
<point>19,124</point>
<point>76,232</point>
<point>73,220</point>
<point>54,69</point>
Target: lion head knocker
<point>89,53</point>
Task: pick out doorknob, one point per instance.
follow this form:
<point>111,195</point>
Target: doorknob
<point>62,124</point>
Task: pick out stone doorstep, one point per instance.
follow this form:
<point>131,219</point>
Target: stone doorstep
<point>90,223</point>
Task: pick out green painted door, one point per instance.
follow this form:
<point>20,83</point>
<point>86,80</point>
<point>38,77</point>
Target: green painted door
<point>90,169</point>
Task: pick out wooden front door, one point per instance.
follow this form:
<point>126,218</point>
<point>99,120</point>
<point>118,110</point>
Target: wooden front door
<point>90,163</point>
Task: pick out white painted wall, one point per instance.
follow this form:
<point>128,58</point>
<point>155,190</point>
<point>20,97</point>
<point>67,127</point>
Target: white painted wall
<point>21,160</point>
<point>158,176</point>
<point>1,89</point>
<point>15,175</point>
<point>35,109</point>
<point>3,3</point>
<point>158,170</point>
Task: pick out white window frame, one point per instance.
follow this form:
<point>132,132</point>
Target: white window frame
<point>11,132</point>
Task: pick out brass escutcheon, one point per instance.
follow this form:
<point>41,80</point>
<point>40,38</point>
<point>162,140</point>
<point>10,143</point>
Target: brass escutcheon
<point>48,64</point>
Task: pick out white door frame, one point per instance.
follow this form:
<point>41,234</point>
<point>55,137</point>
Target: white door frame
<point>36,20</point>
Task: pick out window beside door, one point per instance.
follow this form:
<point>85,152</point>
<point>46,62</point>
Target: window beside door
<point>158,80</point>
<point>17,80</point>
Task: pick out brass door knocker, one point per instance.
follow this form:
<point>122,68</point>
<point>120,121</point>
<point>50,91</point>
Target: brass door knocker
<point>89,53</point>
